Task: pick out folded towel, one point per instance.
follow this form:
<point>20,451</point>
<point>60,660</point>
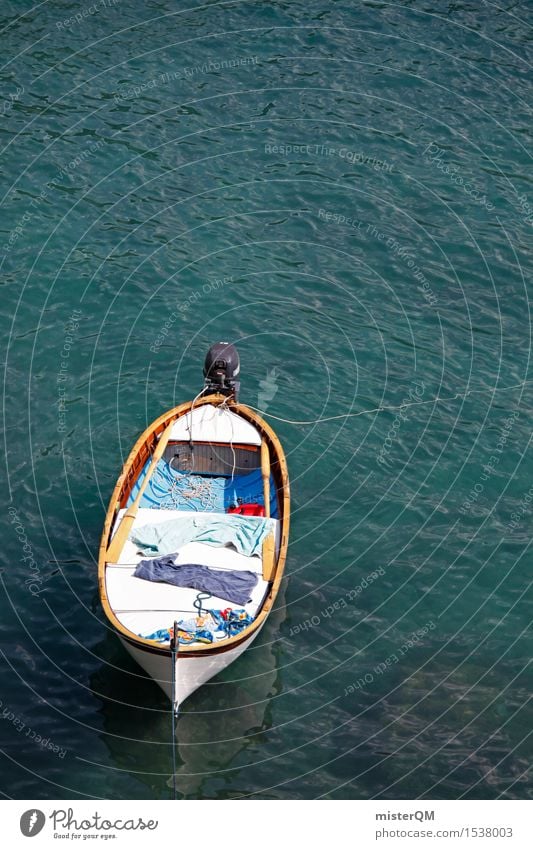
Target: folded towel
<point>244,533</point>
<point>228,584</point>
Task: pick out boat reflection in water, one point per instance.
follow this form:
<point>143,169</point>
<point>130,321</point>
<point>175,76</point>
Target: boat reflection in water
<point>217,724</point>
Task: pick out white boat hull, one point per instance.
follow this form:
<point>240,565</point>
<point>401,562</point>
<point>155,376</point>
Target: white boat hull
<point>191,672</point>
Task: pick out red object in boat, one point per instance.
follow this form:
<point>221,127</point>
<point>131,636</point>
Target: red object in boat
<point>252,509</point>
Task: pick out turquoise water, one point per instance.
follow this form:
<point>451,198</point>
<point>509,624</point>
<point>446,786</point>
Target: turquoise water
<point>342,189</point>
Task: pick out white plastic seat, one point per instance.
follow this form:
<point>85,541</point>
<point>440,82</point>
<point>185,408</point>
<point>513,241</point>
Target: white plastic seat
<point>215,424</point>
<point>128,593</point>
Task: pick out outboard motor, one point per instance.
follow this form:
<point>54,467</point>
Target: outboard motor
<point>221,367</point>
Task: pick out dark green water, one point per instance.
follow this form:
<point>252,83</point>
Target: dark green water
<point>151,205</point>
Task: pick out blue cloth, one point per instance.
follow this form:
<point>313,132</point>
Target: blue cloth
<point>219,625</point>
<point>244,533</point>
<point>235,586</point>
<point>171,490</point>
<point>186,634</point>
<point>231,621</point>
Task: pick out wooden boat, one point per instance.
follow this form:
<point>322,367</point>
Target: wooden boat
<point>213,438</point>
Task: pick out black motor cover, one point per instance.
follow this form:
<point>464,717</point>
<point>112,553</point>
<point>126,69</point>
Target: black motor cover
<point>221,367</point>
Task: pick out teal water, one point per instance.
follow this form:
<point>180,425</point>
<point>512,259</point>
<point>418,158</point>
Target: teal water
<point>343,189</point>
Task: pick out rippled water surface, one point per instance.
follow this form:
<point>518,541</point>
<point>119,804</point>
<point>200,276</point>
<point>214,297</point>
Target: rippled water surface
<point>344,190</point>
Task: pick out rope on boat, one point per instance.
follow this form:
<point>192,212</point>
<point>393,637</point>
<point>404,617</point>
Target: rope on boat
<point>174,645</point>
<point>198,490</point>
<point>384,408</point>
<point>191,441</point>
<point>224,408</point>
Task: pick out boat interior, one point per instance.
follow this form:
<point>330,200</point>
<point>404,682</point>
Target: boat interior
<point>211,465</point>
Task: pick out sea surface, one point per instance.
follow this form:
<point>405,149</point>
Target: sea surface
<point>343,190</point>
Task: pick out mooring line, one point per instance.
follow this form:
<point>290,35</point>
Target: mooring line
<point>385,408</point>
